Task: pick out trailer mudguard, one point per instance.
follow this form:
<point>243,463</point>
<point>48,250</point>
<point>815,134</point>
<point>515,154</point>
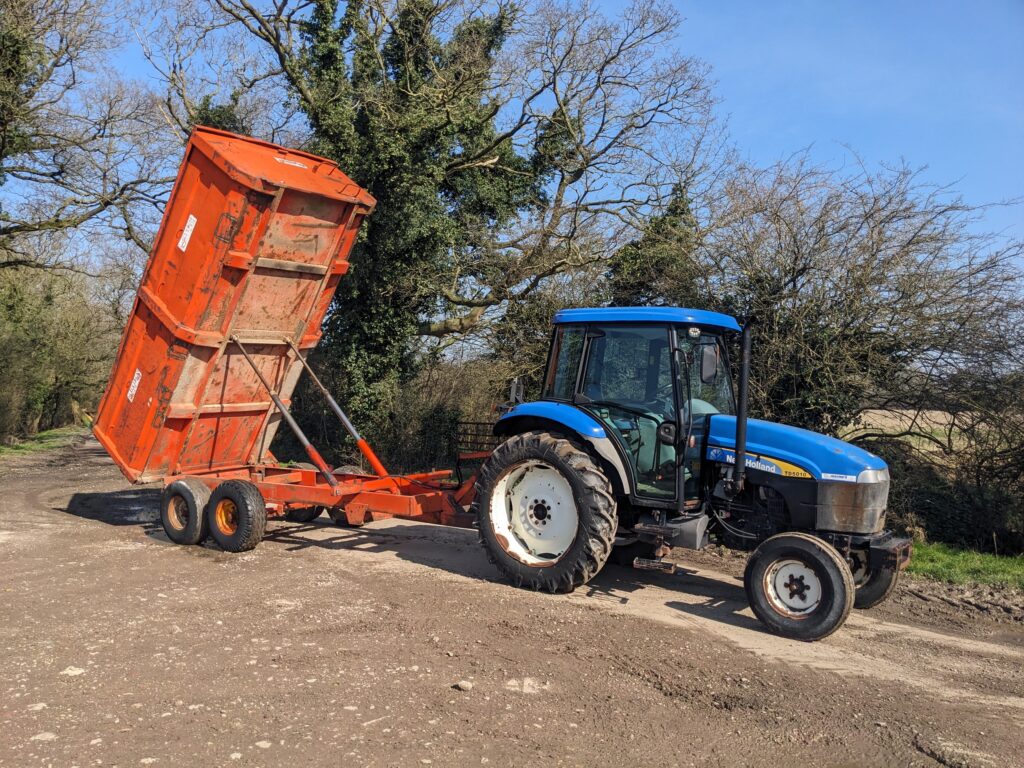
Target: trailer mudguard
<point>561,417</point>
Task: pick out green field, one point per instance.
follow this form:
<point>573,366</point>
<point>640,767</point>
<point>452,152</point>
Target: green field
<point>53,438</point>
<point>960,566</point>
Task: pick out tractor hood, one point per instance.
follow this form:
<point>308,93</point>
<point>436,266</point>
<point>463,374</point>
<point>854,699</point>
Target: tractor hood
<point>785,450</point>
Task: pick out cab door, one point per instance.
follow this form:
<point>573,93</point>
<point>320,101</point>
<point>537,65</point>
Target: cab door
<point>628,383</point>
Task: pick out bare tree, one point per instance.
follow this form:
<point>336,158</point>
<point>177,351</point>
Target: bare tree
<point>79,146</point>
<point>612,111</point>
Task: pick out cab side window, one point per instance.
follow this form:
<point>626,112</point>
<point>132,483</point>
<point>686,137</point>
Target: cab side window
<point>564,363</point>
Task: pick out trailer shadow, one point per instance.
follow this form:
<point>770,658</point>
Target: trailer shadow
<point>458,551</point>
<point>134,506</point>
<point>454,550</point>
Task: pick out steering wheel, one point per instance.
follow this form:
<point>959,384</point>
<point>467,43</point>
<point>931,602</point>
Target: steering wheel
<point>697,407</point>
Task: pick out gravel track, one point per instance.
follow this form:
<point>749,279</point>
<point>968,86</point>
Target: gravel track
<point>396,644</point>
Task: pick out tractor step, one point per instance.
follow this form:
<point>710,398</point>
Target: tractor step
<point>645,564</point>
<point>667,531</point>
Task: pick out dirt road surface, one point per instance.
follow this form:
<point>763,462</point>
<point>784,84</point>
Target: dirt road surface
<point>331,646</point>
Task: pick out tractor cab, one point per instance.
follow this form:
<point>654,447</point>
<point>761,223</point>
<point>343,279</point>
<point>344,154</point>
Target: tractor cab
<point>649,376</point>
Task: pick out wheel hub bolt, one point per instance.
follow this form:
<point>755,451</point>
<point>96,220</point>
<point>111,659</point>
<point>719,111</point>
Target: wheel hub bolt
<point>797,587</point>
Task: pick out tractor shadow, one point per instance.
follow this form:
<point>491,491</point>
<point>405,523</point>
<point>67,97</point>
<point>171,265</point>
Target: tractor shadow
<point>454,550</point>
<point>458,551</point>
<point>720,599</point>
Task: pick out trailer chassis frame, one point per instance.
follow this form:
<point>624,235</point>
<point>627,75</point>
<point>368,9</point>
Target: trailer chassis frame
<point>430,497</point>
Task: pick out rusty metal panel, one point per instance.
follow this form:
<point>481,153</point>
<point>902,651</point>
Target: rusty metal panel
<point>253,243</point>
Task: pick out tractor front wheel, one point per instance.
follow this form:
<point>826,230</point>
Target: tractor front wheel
<point>545,512</point>
<point>873,586</point>
<point>799,586</point>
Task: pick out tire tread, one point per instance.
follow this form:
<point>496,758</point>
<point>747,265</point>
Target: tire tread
<point>599,534</point>
<point>252,515</point>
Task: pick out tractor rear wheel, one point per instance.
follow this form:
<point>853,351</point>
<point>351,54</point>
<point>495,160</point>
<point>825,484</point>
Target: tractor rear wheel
<point>799,586</point>
<point>237,515</point>
<point>183,510</point>
<point>545,512</point>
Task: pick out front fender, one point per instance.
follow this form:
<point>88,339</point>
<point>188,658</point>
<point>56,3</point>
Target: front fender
<point>567,419</point>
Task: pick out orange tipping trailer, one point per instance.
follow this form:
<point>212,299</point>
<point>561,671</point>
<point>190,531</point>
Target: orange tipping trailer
<point>253,243</point>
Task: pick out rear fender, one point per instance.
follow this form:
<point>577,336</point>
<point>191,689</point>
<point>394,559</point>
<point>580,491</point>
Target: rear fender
<point>564,419</point>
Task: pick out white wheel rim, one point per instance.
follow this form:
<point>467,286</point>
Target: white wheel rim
<point>793,588</point>
<point>533,513</point>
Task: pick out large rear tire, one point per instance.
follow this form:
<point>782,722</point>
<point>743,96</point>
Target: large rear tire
<point>799,586</point>
<point>237,515</point>
<point>183,510</point>
<point>545,511</point>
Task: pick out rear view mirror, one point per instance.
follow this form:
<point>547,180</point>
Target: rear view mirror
<point>667,433</point>
<point>709,363</point>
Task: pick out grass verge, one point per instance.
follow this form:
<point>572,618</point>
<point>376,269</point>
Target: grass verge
<point>960,566</point>
<point>44,441</point>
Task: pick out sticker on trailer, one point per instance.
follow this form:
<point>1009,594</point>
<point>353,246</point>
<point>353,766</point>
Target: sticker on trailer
<point>186,235</point>
<point>286,161</point>
<point>134,386</point>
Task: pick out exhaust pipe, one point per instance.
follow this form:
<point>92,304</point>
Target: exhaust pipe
<point>740,471</point>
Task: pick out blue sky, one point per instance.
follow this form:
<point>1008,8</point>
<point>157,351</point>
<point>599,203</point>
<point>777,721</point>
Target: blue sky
<point>934,83</point>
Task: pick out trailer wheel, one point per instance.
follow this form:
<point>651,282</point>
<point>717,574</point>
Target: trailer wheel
<point>237,515</point>
<point>337,514</point>
<point>799,586</point>
<point>183,511</point>
<point>873,587</point>
<point>303,514</point>
<point>545,512</point>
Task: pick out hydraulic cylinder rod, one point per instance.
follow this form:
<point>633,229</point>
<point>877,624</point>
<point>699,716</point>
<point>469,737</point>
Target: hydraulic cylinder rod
<point>313,453</point>
<point>361,444</point>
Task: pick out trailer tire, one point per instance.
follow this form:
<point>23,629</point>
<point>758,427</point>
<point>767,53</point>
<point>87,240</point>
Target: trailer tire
<point>571,492</point>
<point>799,586</point>
<point>237,515</point>
<point>183,510</point>
<point>872,587</point>
<point>337,514</point>
<point>303,514</point>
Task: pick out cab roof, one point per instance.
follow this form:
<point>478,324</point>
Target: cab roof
<point>648,315</point>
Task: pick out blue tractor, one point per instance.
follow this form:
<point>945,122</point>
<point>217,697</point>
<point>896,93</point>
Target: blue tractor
<point>639,443</point>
